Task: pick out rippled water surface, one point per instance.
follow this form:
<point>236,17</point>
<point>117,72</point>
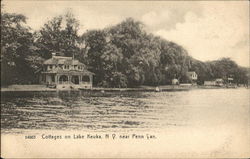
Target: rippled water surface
<point>122,111</point>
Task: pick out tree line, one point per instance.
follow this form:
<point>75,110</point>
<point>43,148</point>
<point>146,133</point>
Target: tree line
<point>124,55</point>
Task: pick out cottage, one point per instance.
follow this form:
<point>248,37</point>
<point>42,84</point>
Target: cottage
<point>65,72</point>
<point>219,81</point>
<point>175,81</point>
<point>192,75</point>
<point>216,82</point>
<point>230,80</point>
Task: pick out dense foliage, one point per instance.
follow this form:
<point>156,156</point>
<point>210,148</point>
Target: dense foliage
<point>19,59</point>
<point>58,35</point>
<point>124,55</point>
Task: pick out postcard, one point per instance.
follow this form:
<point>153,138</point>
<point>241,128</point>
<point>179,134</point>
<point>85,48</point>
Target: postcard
<point>125,79</point>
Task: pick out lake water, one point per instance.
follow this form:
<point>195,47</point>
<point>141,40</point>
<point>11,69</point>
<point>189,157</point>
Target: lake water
<point>123,111</point>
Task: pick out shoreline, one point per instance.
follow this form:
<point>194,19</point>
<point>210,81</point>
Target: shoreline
<point>43,88</point>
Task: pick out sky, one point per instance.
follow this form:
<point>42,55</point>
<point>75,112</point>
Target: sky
<point>208,30</point>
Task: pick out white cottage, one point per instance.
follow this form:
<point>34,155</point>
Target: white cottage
<point>66,72</point>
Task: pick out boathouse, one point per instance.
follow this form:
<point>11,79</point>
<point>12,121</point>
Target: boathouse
<point>65,72</point>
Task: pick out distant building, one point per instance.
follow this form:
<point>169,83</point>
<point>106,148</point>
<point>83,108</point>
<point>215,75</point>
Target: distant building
<point>216,82</point>
<point>65,72</point>
<point>175,81</point>
<point>192,77</point>
<point>219,81</point>
<point>230,80</point>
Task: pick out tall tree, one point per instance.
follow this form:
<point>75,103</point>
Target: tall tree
<point>95,42</point>
<point>59,35</point>
<point>18,58</point>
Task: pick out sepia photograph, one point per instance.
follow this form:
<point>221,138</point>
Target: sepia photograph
<point>125,79</point>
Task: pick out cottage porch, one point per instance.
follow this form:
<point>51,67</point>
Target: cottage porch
<point>68,79</point>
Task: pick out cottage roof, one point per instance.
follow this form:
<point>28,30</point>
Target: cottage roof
<point>191,72</point>
<point>58,60</point>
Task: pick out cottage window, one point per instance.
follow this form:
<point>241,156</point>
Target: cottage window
<point>63,79</point>
<point>85,78</point>
<point>49,67</point>
<point>43,78</point>
<point>66,67</point>
<point>53,78</point>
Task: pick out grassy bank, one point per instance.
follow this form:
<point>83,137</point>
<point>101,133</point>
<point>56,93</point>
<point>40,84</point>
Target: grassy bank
<point>26,88</point>
<point>44,88</point>
<point>141,88</point>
